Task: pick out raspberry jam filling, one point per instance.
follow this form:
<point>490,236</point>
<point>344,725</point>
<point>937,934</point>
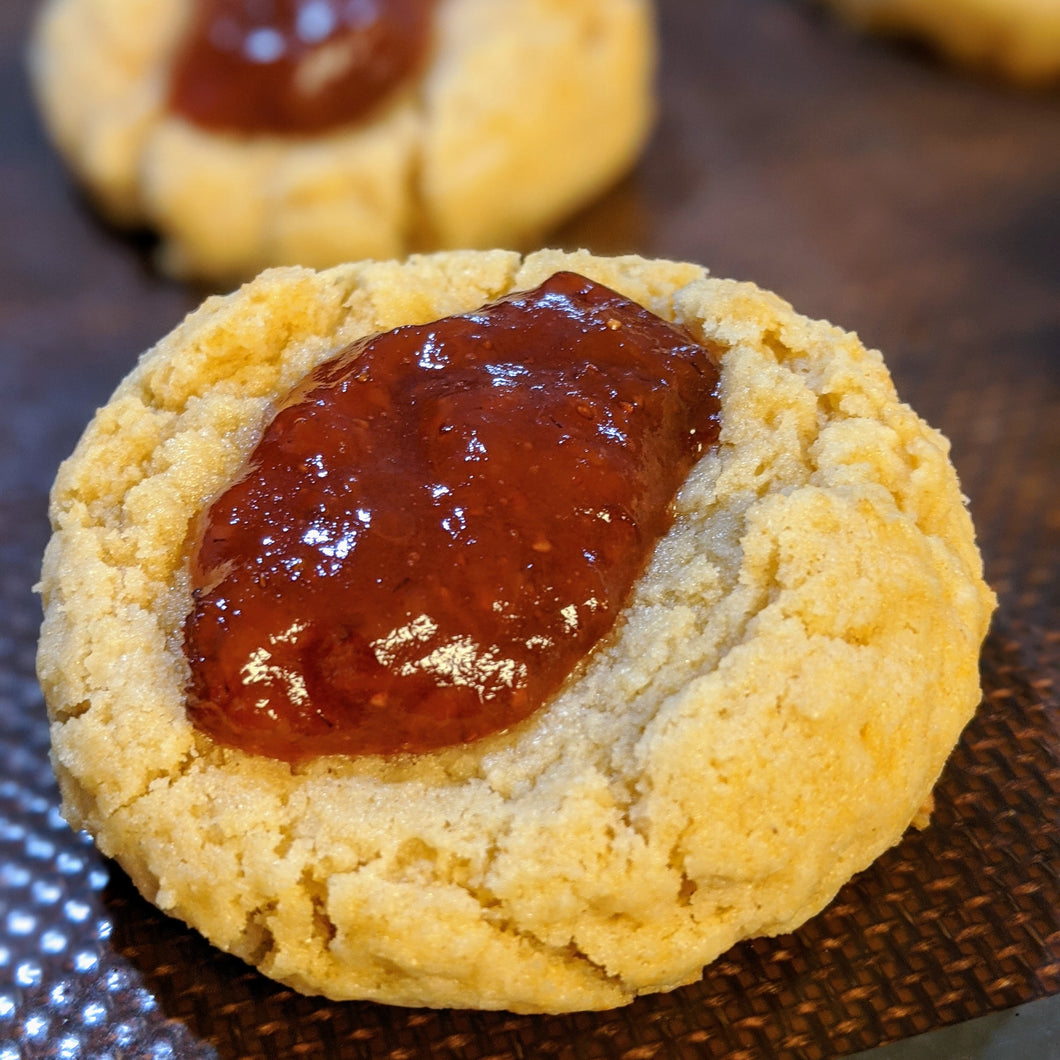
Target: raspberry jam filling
<point>294,66</point>
<point>440,523</point>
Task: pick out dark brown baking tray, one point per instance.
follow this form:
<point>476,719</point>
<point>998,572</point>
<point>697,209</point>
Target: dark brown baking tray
<point>867,184</point>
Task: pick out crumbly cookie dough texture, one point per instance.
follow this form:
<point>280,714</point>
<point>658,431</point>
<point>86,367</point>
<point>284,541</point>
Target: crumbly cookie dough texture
<point>525,110</point>
<point>770,713</point>
<point>1018,39</point>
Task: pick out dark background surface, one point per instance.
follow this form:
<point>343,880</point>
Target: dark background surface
<point>864,182</point>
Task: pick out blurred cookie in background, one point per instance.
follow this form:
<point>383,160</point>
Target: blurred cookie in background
<point>314,132</point>
<point>1016,39</point>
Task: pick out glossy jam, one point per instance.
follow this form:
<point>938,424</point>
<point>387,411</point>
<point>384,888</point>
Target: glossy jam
<point>438,525</point>
<point>294,66</point>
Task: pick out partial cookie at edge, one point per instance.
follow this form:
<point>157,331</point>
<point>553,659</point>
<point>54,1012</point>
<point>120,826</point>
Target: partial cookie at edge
<point>1016,39</point>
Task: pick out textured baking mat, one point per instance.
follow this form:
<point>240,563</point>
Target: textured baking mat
<point>956,922</point>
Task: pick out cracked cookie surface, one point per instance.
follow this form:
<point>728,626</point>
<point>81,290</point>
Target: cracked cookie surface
<point>524,111</point>
<point>770,713</point>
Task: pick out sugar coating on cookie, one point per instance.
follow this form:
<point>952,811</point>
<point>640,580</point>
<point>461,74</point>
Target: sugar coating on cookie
<point>771,711</point>
<point>1017,39</point>
<point>523,111</point>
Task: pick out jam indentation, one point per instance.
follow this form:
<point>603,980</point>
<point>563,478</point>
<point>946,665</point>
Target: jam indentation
<point>440,523</point>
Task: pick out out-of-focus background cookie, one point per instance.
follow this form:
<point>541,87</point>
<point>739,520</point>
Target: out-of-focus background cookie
<point>867,182</point>
<point>1018,40</point>
<point>486,124</point>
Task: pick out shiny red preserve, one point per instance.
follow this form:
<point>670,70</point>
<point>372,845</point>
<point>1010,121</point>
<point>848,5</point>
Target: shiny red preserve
<point>294,66</point>
<point>439,524</point>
